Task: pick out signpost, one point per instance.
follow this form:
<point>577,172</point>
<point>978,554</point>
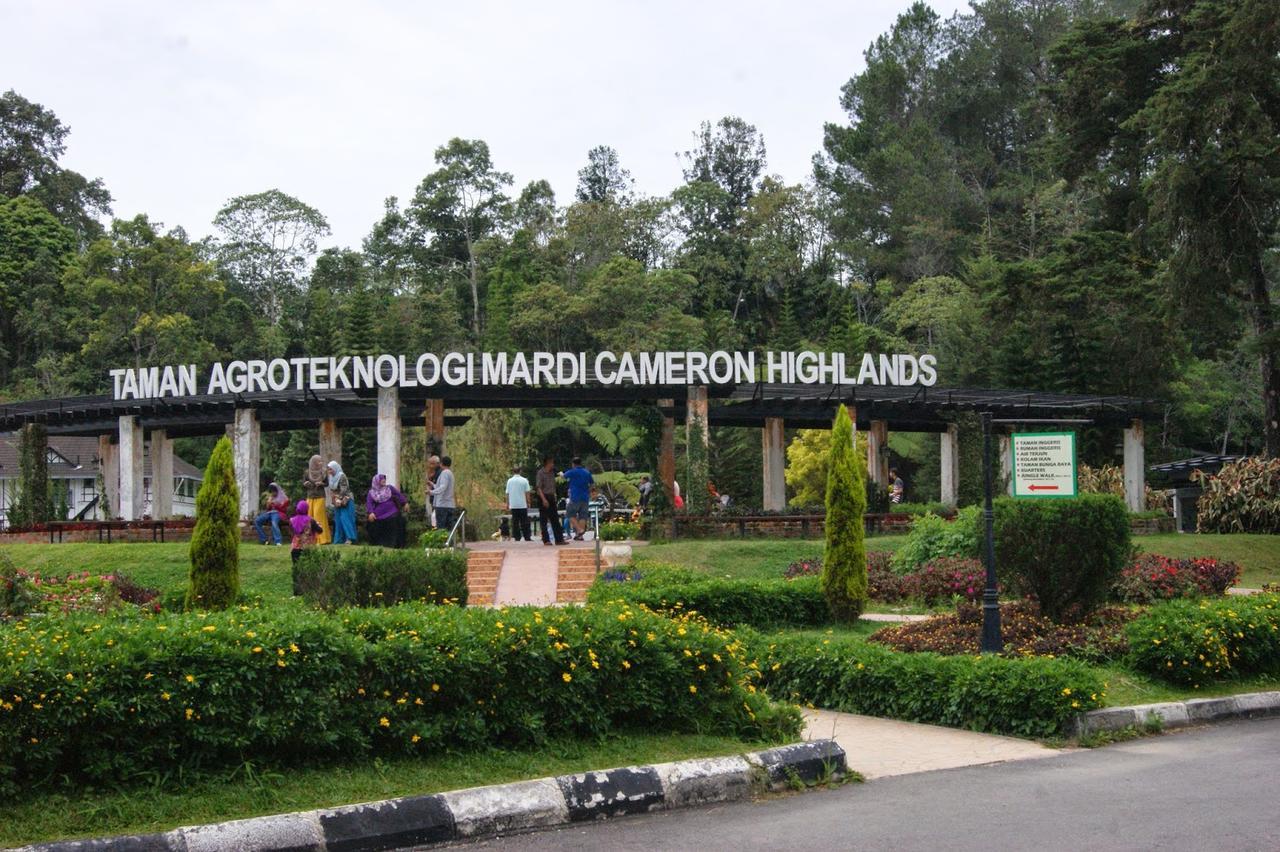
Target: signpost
<point>1044,464</point>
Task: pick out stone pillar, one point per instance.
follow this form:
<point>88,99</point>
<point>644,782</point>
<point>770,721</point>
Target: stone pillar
<point>330,441</point>
<point>248,450</point>
<point>109,468</point>
<point>161,474</point>
<point>697,448</point>
<point>878,453</point>
<point>389,434</point>
<point>1006,463</point>
<point>433,419</point>
<point>1135,467</point>
<point>131,468</point>
<point>950,477</point>
<point>667,452</point>
<point>775,463</point>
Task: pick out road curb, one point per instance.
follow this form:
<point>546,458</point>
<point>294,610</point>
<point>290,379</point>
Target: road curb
<point>1179,714</point>
<point>497,810</point>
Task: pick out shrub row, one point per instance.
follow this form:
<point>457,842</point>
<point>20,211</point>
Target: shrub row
<point>113,699</point>
<point>720,600</point>
<point>1197,642</point>
<point>1032,697</point>
<point>332,577</point>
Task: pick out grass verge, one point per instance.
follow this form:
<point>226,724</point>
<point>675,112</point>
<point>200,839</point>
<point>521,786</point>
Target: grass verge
<point>264,570</point>
<point>254,791</point>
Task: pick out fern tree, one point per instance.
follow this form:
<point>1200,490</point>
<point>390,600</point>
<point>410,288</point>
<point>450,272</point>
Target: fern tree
<point>215,541</point>
<point>844,563</point>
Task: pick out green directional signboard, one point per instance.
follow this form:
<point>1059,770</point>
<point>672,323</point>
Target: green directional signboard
<point>1044,464</point>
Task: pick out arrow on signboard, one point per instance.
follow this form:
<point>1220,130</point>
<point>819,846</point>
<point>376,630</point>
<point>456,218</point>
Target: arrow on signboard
<point>1042,488</point>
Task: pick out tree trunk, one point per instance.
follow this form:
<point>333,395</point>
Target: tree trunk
<point>1264,328</point>
<point>475,288</point>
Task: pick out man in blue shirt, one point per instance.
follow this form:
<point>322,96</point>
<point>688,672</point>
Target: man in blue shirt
<point>580,482</point>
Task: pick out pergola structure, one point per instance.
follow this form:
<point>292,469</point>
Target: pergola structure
<point>123,426</point>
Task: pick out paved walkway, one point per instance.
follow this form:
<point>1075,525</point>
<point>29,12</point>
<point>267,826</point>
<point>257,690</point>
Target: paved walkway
<point>528,573</point>
<point>879,748</point>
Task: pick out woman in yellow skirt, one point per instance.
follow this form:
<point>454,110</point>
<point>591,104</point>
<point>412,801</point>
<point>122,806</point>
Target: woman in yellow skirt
<point>315,482</point>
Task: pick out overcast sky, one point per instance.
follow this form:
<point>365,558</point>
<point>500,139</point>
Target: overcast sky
<point>179,106</point>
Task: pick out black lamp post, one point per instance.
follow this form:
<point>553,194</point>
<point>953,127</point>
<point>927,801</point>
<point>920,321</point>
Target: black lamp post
<point>992,642</point>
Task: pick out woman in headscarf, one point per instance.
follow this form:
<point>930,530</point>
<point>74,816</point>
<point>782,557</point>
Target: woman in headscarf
<point>344,508</point>
<point>385,505</point>
<point>315,483</point>
<point>275,511</point>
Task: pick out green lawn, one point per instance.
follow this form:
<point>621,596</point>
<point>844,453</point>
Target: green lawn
<point>748,557</point>
<point>254,791</point>
<point>1258,555</point>
<point>264,570</point>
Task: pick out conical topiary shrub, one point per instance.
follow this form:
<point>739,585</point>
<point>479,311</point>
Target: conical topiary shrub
<point>844,562</point>
<point>215,541</point>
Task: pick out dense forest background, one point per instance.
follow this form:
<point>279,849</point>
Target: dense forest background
<point>1063,195</point>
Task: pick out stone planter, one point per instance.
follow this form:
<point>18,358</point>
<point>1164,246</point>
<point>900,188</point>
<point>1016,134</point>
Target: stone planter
<point>616,552</point>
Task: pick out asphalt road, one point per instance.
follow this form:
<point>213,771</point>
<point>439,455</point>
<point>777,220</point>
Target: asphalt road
<point>1207,788</point>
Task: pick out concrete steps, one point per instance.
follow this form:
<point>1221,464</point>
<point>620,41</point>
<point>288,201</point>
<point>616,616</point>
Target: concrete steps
<point>576,573</point>
<point>483,569</point>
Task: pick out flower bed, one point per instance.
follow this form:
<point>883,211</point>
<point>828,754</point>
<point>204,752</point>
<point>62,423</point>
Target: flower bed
<point>112,699</point>
<point>1155,578</point>
<point>1025,631</point>
<point>23,592</point>
<point>1031,697</point>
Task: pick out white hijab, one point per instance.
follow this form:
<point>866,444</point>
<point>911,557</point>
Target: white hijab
<point>335,472</point>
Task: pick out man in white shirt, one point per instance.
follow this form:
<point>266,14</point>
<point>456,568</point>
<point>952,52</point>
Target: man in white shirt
<point>518,504</point>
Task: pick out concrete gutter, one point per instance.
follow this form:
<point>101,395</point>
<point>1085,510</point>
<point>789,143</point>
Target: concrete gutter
<point>498,810</point>
<point>1179,714</point>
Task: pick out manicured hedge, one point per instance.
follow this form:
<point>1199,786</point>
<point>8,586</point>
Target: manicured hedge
<point>111,699</point>
<point>1197,642</point>
<point>763,603</point>
<point>1066,552</point>
<point>1032,698</point>
<point>331,577</point>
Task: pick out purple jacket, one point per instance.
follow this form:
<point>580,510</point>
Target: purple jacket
<point>387,508</point>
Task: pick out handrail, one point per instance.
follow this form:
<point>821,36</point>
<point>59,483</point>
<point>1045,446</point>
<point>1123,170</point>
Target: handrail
<point>462,539</point>
<point>595,519</point>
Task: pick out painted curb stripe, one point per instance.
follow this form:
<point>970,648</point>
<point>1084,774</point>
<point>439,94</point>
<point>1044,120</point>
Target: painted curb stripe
<point>1179,714</point>
<point>491,811</point>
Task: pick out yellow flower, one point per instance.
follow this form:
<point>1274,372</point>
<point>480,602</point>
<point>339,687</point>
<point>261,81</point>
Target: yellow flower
<point>414,738</point>
<point>566,677</point>
<point>418,701</point>
<point>190,713</point>
<point>191,678</point>
<point>693,689</point>
<point>293,648</point>
<point>384,722</point>
<point>257,649</point>
<point>70,676</point>
<point>626,665</point>
<point>209,628</point>
<point>1066,690</point>
<point>435,687</point>
<point>164,696</point>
